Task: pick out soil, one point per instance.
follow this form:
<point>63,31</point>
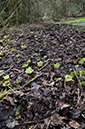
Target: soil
<point>50,100</point>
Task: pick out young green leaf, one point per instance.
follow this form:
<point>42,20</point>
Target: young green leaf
<point>40,64</point>
<point>56,66</point>
<point>29,70</point>
<point>68,78</point>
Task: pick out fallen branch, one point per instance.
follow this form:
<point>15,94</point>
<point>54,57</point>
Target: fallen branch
<point>8,92</point>
<point>79,89</point>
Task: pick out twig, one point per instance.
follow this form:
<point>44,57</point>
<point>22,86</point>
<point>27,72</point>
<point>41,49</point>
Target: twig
<point>48,124</point>
<point>12,90</point>
<point>79,89</point>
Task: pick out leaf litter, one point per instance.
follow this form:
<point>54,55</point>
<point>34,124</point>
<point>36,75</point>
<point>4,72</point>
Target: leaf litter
<point>50,94</point>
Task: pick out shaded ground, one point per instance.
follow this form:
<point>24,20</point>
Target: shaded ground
<point>48,101</point>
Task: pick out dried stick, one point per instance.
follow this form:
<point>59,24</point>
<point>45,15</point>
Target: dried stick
<point>79,89</point>
<point>8,92</point>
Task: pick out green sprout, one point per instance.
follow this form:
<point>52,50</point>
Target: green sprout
<point>18,55</point>
<point>74,62</point>
<point>7,83</point>
<point>35,36</point>
<point>6,36</point>
<point>0,111</point>
<point>13,50</point>
<point>68,28</point>
<point>68,78</point>
<point>17,81</point>
<point>44,46</point>
<point>29,61</point>
<point>30,47</point>
<point>52,47</point>
<point>56,66</point>
<point>58,79</point>
<point>25,65</point>
<point>29,70</point>
<point>6,77</point>
<point>45,57</point>
<point>23,46</point>
<point>40,64</point>
<point>0,58</point>
<point>83,72</point>
<point>82,61</point>
<point>83,83</point>
<point>73,74</point>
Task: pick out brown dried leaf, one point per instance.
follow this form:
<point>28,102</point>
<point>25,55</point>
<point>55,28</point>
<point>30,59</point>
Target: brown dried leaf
<point>74,124</point>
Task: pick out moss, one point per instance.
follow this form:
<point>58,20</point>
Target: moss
<point>75,21</point>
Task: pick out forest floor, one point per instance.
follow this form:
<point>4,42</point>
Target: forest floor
<point>42,77</point>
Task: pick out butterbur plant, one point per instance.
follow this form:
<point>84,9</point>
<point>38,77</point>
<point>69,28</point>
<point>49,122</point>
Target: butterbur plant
<point>13,50</point>
<point>7,83</point>
<point>23,47</point>
<point>68,78</point>
<point>29,61</point>
<point>25,65</point>
<point>83,83</point>
<point>6,36</point>
<point>40,63</point>
<point>6,77</point>
<point>56,66</point>
<point>29,70</point>
<point>82,61</point>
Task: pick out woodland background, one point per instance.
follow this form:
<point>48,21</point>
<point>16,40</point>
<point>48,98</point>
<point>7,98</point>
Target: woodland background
<point>15,12</point>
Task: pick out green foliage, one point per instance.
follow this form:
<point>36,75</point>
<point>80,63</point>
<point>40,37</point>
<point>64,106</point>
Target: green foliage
<point>73,74</point>
<point>13,50</point>
<point>29,61</point>
<point>44,46</point>
<point>45,57</point>
<point>18,55</point>
<point>6,36</point>
<point>83,83</point>
<point>56,66</point>
<point>52,47</point>
<point>29,70</point>
<point>0,58</point>
<point>68,78</point>
<point>17,81</point>
<point>58,79</point>
<point>0,111</point>
<point>83,72</point>
<point>74,62</point>
<point>23,46</point>
<point>35,36</point>
<point>68,28</point>
<point>7,83</point>
<point>6,77</point>
<point>40,64</point>
<point>82,61</point>
<point>25,65</point>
